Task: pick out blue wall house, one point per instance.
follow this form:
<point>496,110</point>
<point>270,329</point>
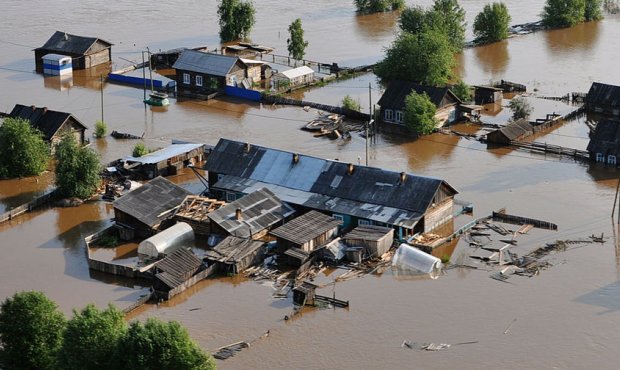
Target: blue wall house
<point>355,195</point>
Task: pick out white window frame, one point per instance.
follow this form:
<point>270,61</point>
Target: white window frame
<point>398,116</point>
<point>362,222</point>
<point>231,197</point>
<point>186,79</point>
<point>611,159</point>
<point>388,115</point>
<point>198,80</point>
<point>338,217</point>
<point>600,157</point>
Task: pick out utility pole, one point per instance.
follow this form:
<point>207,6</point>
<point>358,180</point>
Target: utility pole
<point>369,119</point>
<point>144,75</point>
<point>150,68</point>
<point>101,84</point>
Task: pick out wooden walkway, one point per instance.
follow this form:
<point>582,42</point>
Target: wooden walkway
<point>545,148</point>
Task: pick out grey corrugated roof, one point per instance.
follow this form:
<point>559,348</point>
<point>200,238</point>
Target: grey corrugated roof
<point>605,138</point>
<point>604,94</point>
<point>373,186</point>
<point>396,92</point>
<point>233,249</point>
<point>207,63</point>
<point>149,201</point>
<point>260,209</point>
<point>67,43</point>
<point>306,227</point>
<point>45,120</point>
<point>164,154</point>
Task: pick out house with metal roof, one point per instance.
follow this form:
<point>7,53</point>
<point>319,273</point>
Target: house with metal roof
<point>603,98</point>
<point>511,132</point>
<point>86,52</point>
<point>392,102</point>
<point>293,77</point>
<point>167,161</point>
<point>250,216</point>
<point>142,212</point>
<point>306,232</point>
<point>233,255</point>
<point>50,122</point>
<point>356,195</point>
<point>604,145</point>
<point>201,74</point>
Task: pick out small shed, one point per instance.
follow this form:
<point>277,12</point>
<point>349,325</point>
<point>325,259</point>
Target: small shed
<point>234,255</point>
<point>487,95</point>
<point>303,294</point>
<point>53,124</point>
<point>142,211</point>
<point>603,98</point>
<point>86,52</point>
<point>251,216</point>
<point>57,65</point>
<point>511,132</point>
<point>604,145</point>
<point>293,77</point>
<point>306,232</point>
<point>254,72</point>
<point>334,251</point>
<point>296,257</point>
<point>167,161</point>
<point>195,210</point>
<point>177,236</point>
<point>373,240</point>
<point>175,273</point>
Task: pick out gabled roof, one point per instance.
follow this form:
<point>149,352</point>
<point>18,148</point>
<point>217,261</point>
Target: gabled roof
<point>306,227</point>
<point>396,92</point>
<point>605,138</point>
<point>370,186</point>
<point>45,120</point>
<point>207,63</point>
<point>368,232</point>
<point>260,210</point>
<point>516,129</point>
<point>233,249</point>
<point>297,72</point>
<point>67,43</point>
<point>174,268</point>
<point>150,202</point>
<point>603,94</point>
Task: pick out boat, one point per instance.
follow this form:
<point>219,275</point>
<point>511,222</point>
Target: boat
<point>158,99</point>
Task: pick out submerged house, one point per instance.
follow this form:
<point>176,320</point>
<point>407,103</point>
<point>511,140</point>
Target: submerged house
<point>142,211</point>
<point>53,124</point>
<point>306,232</point>
<point>167,161</point>
<point>488,95</point>
<point>604,146</point>
<point>177,272</point>
<point>233,255</point>
<point>511,132</point>
<point>372,241</point>
<point>86,52</point>
<point>355,195</point>
<point>392,114</point>
<point>603,98</point>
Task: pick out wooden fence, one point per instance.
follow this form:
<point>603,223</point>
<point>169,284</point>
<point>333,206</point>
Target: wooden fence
<point>27,207</point>
<point>351,114</point>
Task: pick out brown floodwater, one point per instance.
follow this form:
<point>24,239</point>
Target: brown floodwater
<point>567,317</point>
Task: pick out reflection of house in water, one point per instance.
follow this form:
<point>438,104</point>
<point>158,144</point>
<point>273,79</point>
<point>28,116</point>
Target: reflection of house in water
<point>50,122</point>
<point>604,146</point>
<point>58,82</point>
<point>86,52</point>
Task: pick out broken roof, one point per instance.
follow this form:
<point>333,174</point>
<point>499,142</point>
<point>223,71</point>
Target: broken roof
<point>605,138</point>
<point>260,210</point>
<point>164,154</point>
<point>63,42</point>
<point>233,249</point>
<point>604,94</point>
<point>396,92</point>
<point>150,202</point>
<point>45,120</point>
<point>207,63</point>
<point>196,208</point>
<point>306,227</point>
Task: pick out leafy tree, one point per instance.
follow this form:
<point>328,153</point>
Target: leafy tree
<point>426,57</point>
<point>157,345</point>
<point>91,337</point>
<point>563,13</point>
<point>414,20</point>
<point>22,149</point>
<point>520,108</point>
<point>349,103</point>
<point>101,129</point>
<point>376,6</point>
<point>236,19</point>
<point>593,10</point>
<point>77,169</point>
<point>139,150</point>
<point>492,23</point>
<point>420,113</point>
<point>296,44</point>
<point>462,91</point>
<point>30,332</point>
<point>449,17</point>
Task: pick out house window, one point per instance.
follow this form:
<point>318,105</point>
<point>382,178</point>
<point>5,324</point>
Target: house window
<point>600,157</point>
<point>198,80</point>
<point>231,197</point>
<point>186,79</point>
<point>611,159</point>
<point>399,116</point>
<point>220,176</point>
<point>338,217</point>
<point>364,222</point>
<point>389,115</point>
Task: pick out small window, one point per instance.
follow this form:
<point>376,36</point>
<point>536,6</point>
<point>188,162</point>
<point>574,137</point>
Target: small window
<point>198,80</point>
<point>389,115</point>
<point>231,197</point>
<point>220,176</point>
<point>186,79</point>
<point>338,217</point>
<point>611,159</point>
<point>364,222</point>
<point>399,116</point>
<point>600,157</point>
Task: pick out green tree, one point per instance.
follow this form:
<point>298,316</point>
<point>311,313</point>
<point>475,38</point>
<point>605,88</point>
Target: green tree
<point>376,6</point>
<point>91,338</point>
<point>23,152</point>
<point>349,103</point>
<point>462,91</point>
<point>449,17</point>
<point>563,13</point>
<point>296,44</point>
<point>30,332</point>
<point>139,150</point>
<point>426,57</point>
<point>158,345</point>
<point>492,23</point>
<point>77,169</point>
<point>420,113</point>
<point>593,10</point>
<point>520,108</point>
<point>101,129</point>
<point>414,20</point>
<point>236,19</point>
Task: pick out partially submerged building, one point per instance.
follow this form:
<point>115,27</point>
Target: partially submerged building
<point>513,131</point>
<point>141,212</point>
<point>233,255</point>
<point>167,161</point>
<point>53,124</point>
<point>293,77</point>
<point>195,212</point>
<point>177,272</point>
<point>355,195</point>
<point>306,232</point>
<point>372,241</point>
<point>487,95</point>
<point>604,146</point>
<point>86,52</point>
<point>603,98</point>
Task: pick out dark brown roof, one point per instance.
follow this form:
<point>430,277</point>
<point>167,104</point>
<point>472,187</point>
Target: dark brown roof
<point>63,42</point>
<point>397,91</point>
<point>606,138</point>
<point>306,227</point>
<point>45,120</point>
<point>603,94</point>
<point>175,268</point>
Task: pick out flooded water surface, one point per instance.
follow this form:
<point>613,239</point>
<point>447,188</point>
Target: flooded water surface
<point>567,317</point>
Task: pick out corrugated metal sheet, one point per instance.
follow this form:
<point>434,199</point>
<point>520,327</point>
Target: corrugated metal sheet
<point>604,94</point>
<point>207,63</point>
<point>368,232</point>
<point>395,94</point>
<point>306,227</point>
<point>73,44</point>
<point>164,154</point>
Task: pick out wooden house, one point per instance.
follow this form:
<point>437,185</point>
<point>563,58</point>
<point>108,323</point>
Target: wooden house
<point>374,241</point>
<point>254,71</point>
<point>250,216</point>
<point>356,195</point>
<point>176,272</point>
<point>167,161</point>
<point>603,98</point>
<point>604,145</point>
<point>142,211</point>
<point>86,52</point>
<point>293,77</point>
<point>306,232</point>
<point>199,74</point>
<point>53,124</point>
<point>194,211</point>
<point>392,113</point>
<point>233,255</point>
<point>513,131</point>
<point>487,95</point>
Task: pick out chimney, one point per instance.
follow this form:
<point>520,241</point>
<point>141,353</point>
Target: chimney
<point>66,37</point>
<point>44,110</point>
<point>350,169</point>
<point>238,215</point>
<point>33,108</point>
<point>295,158</point>
<point>403,177</point>
<point>247,147</point>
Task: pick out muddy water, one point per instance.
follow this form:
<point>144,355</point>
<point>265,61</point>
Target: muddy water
<point>566,317</point>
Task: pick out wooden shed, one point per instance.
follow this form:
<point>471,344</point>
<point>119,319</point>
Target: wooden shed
<point>53,124</point>
<point>296,257</point>
<point>373,240</point>
<point>233,255</point>
<point>303,294</point>
<point>513,131</point>
<point>306,232</point>
<point>86,52</point>
<point>603,98</point>
<point>487,95</point>
<point>167,161</point>
<point>176,272</point>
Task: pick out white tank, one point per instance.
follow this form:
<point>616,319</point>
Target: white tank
<point>408,257</point>
<point>167,241</point>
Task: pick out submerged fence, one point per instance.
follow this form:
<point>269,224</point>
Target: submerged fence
<point>27,207</point>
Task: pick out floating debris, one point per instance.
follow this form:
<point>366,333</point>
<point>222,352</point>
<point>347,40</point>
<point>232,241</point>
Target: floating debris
<point>230,350</point>
<point>431,346</point>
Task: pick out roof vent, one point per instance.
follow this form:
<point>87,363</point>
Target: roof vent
<point>44,110</point>
<point>238,215</point>
<point>247,147</point>
<point>295,158</point>
<point>33,108</point>
<point>350,169</point>
<point>403,177</point>
<point>66,37</point>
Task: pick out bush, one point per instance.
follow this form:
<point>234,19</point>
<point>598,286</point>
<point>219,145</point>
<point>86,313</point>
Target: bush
<point>462,91</point>
<point>349,103</point>
<point>107,241</point>
<point>100,129</point>
<point>236,19</point>
<point>77,169</point>
<point>23,152</point>
<point>376,6</point>
<point>445,16</point>
<point>520,108</point>
<point>139,150</point>
<point>563,13</point>
<point>492,23</point>
<point>420,113</point>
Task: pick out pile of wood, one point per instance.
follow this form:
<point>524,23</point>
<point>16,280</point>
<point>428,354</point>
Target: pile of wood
<point>333,126</point>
